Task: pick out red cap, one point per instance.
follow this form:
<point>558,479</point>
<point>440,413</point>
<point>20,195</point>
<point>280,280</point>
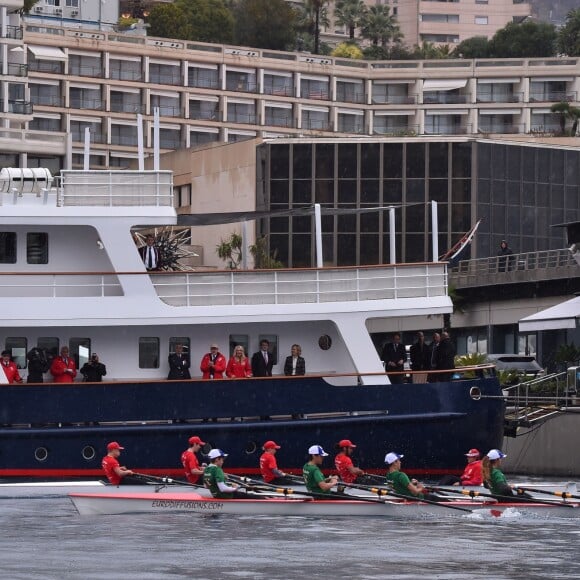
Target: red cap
<point>270,445</point>
<point>473,453</point>
<point>113,445</point>
<point>346,443</point>
<point>195,439</point>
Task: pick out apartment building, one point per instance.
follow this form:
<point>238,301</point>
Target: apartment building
<point>205,93</point>
<point>437,21</point>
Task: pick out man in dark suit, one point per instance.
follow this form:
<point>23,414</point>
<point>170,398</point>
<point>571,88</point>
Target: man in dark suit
<point>420,358</point>
<point>263,360</point>
<point>445,356</point>
<point>394,357</point>
<point>150,254</point>
<point>178,364</point>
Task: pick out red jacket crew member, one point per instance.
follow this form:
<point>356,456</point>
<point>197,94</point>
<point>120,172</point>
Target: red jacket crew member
<point>10,368</point>
<point>343,463</point>
<point>472,473</point>
<point>114,472</point>
<point>193,471</point>
<point>63,367</point>
<point>268,465</point>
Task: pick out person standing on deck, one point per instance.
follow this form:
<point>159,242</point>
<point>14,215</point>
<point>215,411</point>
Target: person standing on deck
<point>213,364</point>
<point>114,472</point>
<point>150,254</point>
<point>63,367</point>
<point>295,365</point>
<point>394,357</point>
<point>420,358</point>
<point>263,360</point>
<point>343,462</point>
<point>178,364</point>
<point>94,370</point>
<point>313,476</point>
<point>10,368</point>
<point>189,460</point>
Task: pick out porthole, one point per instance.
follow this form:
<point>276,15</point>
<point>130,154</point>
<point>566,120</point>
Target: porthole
<point>251,447</point>
<point>88,452</point>
<point>325,342</point>
<point>41,454</point>
<point>475,393</point>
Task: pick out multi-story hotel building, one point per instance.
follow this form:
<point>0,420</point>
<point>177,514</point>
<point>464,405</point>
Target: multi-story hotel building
<point>72,79</point>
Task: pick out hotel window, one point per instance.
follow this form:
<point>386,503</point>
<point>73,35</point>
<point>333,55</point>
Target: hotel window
<point>125,70</point>
<point>204,109</point>
<point>206,78</point>
<point>18,349</point>
<point>148,352</point>
<point>481,20</point>
<point>49,95</point>
<point>439,17</point>
<point>7,248</point>
<point>45,124</point>
<point>36,248</point>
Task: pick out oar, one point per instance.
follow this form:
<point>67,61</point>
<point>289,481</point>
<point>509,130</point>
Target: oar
<point>165,480</point>
<point>392,493</point>
<point>562,494</point>
<point>506,498</point>
<point>328,496</point>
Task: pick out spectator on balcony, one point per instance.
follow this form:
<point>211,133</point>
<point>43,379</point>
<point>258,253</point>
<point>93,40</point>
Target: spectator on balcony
<point>150,254</point>
<point>394,357</point>
<point>504,261</point>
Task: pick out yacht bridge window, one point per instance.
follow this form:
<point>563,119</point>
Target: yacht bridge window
<point>18,349</point>
<point>36,248</point>
<point>148,352</point>
<point>7,247</point>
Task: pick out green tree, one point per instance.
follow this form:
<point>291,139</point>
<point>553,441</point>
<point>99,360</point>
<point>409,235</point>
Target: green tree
<point>210,20</point>
<point>349,13</point>
<point>430,51</point>
<point>348,50</point>
<point>566,112</point>
<point>169,21</point>
<point>569,36</point>
<point>380,26</point>
<point>265,24</point>
<point>311,17</point>
<point>475,47</point>
<point>524,40</point>
<point>230,251</point>
<point>28,4</point>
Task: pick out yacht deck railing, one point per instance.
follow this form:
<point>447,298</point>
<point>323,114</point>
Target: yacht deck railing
<point>299,286</point>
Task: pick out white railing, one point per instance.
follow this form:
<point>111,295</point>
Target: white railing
<point>59,285</point>
<point>302,286</point>
<point>116,188</point>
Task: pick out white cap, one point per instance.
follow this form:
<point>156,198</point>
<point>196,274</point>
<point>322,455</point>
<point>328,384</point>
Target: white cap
<point>496,454</point>
<point>317,450</point>
<point>392,457</point>
<point>215,453</point>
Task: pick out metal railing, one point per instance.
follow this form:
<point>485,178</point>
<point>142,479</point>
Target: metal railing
<point>350,96</point>
<point>89,104</point>
<point>126,107</point>
<point>14,32</point>
<point>280,91</point>
<point>16,106</point>
<point>46,66</point>
<point>279,120</point>
<point>116,188</point>
<point>542,260</point>
<point>444,99</point>
<point>47,100</point>
<point>125,75</point>
<point>499,98</point>
<point>78,285</point>
<point>552,96</point>
<point>17,70</point>
<point>394,99</point>
<point>314,286</point>
<point>85,71</point>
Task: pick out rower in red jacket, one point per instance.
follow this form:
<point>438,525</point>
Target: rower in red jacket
<point>472,472</point>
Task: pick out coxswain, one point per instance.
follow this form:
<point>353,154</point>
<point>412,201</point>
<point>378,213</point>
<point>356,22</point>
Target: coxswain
<point>114,472</point>
<point>472,473</point>
<point>343,462</point>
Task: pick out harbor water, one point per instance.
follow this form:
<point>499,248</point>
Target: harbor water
<point>47,539</point>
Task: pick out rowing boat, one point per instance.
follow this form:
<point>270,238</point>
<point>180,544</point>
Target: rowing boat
<point>175,502</point>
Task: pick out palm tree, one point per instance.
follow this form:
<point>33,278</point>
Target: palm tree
<point>566,111</point>
<point>312,16</point>
<point>349,13</point>
<point>380,26</point>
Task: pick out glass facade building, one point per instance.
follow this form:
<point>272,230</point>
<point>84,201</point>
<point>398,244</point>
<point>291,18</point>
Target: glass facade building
<point>517,190</point>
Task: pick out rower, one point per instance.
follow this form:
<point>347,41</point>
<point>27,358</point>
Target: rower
<point>268,465</point>
<point>401,482</point>
<point>313,476</point>
<point>214,477</point>
<point>495,480</point>
<point>343,462</point>
<point>114,472</point>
